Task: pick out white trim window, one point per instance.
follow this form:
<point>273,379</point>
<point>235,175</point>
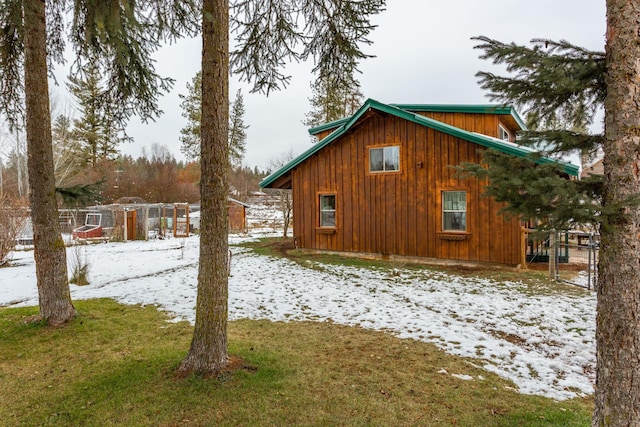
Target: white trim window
<point>503,133</point>
<point>454,211</point>
<point>327,210</point>
<point>384,159</point>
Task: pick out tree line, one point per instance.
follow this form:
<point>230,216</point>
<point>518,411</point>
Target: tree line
<point>155,176</point>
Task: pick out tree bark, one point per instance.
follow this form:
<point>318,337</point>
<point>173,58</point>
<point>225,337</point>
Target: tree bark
<point>50,253</point>
<point>617,396</point>
<point>208,351</point>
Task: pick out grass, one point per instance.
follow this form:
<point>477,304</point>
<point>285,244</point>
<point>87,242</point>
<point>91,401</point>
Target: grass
<point>535,278</point>
<point>115,365</point>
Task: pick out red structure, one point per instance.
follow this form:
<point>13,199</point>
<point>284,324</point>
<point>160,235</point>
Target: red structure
<point>92,227</point>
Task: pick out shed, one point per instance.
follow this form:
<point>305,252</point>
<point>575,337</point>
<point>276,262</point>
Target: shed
<point>237,215</point>
<point>237,212</point>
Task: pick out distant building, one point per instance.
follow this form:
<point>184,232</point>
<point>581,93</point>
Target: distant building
<point>594,168</point>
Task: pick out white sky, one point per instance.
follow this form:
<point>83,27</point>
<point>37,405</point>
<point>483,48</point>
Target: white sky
<point>423,55</point>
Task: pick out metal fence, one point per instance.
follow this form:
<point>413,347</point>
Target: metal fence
<point>572,256</point>
<point>580,252</point>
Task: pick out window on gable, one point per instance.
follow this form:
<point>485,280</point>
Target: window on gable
<point>384,159</point>
<point>327,210</point>
<point>503,133</point>
<point>454,211</point>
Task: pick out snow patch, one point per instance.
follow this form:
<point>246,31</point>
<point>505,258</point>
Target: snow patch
<point>544,343</point>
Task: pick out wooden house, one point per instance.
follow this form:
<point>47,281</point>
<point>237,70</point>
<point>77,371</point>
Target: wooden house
<point>381,182</point>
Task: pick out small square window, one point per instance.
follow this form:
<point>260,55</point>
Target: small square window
<point>454,211</point>
<point>327,210</point>
<point>384,159</point>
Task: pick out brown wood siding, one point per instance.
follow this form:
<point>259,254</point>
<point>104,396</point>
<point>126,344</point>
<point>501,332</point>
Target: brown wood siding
<point>322,135</point>
<point>237,216</point>
<point>486,124</point>
<point>401,212</point>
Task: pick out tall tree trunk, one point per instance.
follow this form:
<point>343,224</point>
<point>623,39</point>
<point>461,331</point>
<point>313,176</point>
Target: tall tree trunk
<point>208,351</point>
<point>50,253</point>
<point>617,397</point>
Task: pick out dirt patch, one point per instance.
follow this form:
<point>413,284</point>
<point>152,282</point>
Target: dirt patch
<point>283,246</point>
<point>512,338</point>
<point>278,245</point>
<point>234,364</point>
<point>543,266</point>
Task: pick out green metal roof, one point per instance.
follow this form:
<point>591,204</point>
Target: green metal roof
<point>483,140</point>
<point>334,124</point>
<point>439,108</point>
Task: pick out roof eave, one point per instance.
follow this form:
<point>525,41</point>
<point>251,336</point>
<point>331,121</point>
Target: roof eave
<point>326,126</point>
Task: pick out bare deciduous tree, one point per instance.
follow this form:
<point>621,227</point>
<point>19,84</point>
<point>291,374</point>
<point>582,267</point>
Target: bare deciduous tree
<point>13,218</point>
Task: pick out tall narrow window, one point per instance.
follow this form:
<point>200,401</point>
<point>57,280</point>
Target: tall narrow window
<point>454,211</point>
<point>384,159</point>
<point>503,133</point>
<point>327,210</point>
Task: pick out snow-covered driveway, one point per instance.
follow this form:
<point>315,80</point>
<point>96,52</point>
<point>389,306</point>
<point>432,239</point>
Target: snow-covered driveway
<point>544,342</point>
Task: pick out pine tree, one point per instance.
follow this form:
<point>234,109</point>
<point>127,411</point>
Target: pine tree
<point>617,395</point>
<point>192,110</point>
<point>330,102</point>
<point>557,80</point>
<point>95,130</point>
<point>117,37</point>
<point>237,130</point>
<point>561,87</point>
<point>208,349</point>
<point>267,33</point>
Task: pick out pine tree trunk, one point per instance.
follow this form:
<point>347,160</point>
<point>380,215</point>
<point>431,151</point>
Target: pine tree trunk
<point>50,253</point>
<point>208,351</point>
<point>617,397</point>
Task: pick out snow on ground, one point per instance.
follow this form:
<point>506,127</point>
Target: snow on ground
<point>544,343</point>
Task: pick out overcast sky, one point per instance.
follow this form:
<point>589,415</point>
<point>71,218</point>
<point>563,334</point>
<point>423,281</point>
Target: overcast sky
<point>424,55</point>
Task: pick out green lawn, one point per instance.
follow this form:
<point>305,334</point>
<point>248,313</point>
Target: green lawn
<point>115,365</point>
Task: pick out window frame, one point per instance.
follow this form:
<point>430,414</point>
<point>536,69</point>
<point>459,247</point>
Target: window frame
<point>502,129</point>
<point>321,210</point>
<point>453,211</point>
<point>383,170</point>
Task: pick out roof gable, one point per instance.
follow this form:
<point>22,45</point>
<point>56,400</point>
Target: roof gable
<point>504,110</point>
<point>343,125</point>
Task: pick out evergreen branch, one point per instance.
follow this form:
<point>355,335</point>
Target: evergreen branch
<point>267,35</point>
<point>11,61</point>
<point>55,14</point>
<point>336,32</point>
<point>540,194</point>
<point>81,194</point>
<point>550,80</point>
<point>120,38</point>
<point>559,141</point>
<point>173,19</point>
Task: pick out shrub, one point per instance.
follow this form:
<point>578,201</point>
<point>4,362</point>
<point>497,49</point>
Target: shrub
<point>13,219</point>
<point>79,262</point>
